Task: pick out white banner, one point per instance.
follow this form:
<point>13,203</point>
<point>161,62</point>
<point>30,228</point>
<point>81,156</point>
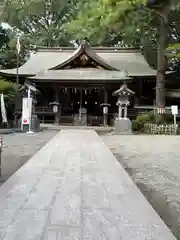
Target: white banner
<point>26,110</point>
<point>3,109</point>
<point>18,45</point>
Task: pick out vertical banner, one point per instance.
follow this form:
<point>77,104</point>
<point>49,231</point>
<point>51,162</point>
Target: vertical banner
<point>26,111</point>
<point>18,45</point>
<point>3,109</point>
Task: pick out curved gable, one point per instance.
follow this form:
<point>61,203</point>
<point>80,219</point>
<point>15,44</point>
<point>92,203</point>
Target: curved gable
<point>84,52</point>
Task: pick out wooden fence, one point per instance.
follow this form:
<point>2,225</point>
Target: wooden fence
<point>168,129</point>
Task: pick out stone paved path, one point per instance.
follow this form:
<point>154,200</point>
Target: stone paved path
<point>74,189</point>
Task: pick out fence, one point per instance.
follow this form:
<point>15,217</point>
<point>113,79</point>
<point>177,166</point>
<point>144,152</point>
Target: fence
<point>168,129</point>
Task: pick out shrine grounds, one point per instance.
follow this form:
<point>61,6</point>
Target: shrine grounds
<point>153,162</point>
<point>19,148</point>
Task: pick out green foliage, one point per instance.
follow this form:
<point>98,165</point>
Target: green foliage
<point>10,91</point>
<point>150,117</point>
<point>3,36</point>
<point>109,22</point>
<point>138,123</point>
<point>167,118</point>
<point>100,20</point>
<point>40,21</point>
<point>173,51</point>
<point>8,51</point>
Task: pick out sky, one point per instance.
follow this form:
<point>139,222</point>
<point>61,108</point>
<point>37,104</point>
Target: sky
<point>5,25</point>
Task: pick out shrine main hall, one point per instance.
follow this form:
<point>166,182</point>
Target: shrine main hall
<point>84,78</point>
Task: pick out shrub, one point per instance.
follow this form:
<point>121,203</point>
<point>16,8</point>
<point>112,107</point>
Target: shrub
<point>166,118</point>
<point>150,117</point>
<point>138,123</point>
<point>134,125</point>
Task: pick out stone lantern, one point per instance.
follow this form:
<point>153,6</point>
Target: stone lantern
<point>55,106</point>
<point>122,123</point>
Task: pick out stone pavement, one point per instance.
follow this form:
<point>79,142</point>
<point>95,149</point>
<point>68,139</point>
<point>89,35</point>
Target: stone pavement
<point>74,188</point>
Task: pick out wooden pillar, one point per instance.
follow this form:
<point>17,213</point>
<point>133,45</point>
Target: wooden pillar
<point>106,102</point>
<point>56,99</point>
<point>140,90</point>
<point>105,95</point>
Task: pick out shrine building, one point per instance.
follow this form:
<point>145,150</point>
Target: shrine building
<point>84,78</point>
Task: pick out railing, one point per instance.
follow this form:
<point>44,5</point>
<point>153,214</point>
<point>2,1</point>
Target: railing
<point>47,115</point>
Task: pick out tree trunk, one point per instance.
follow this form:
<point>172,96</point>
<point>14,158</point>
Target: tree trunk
<point>161,66</point>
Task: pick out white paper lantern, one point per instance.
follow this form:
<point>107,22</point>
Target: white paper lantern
<point>55,108</point>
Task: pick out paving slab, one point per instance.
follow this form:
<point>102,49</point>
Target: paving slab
<point>75,189</point>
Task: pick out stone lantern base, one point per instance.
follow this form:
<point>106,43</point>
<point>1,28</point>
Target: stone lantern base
<point>123,126</point>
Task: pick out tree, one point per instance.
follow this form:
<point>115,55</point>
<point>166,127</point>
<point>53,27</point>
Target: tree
<point>163,9</point>
<point>10,91</point>
<point>8,57</point>
<point>3,36</point>
<point>40,21</point>
<point>147,30</point>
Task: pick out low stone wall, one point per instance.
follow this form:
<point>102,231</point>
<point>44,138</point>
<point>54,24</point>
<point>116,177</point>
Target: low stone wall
<point>151,128</point>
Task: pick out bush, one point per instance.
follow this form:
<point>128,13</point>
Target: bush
<point>138,123</point>
<point>150,117</point>
<point>167,118</point>
<point>134,126</point>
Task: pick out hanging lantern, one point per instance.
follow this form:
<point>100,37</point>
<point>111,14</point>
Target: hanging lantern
<point>85,92</point>
<point>85,102</point>
<point>65,90</point>
<point>75,90</point>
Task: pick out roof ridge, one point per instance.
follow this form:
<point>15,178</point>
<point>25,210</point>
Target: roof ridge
<point>98,48</point>
<point>84,48</point>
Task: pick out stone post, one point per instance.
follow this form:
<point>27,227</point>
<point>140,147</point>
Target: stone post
<point>125,111</point>
<point>119,112</point>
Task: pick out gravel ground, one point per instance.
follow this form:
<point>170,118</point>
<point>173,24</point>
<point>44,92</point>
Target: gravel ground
<point>19,148</point>
<point>153,162</point>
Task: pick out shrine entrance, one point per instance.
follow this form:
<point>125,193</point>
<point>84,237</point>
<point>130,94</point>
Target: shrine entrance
<point>82,104</point>
<point>88,99</point>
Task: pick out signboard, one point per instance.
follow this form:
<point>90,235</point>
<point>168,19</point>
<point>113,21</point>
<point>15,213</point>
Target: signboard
<point>174,110</point>
<point>26,110</point>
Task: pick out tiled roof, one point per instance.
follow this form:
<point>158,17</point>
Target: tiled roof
<point>43,59</point>
<point>80,74</point>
